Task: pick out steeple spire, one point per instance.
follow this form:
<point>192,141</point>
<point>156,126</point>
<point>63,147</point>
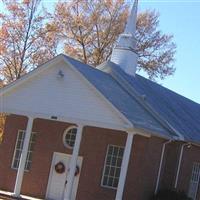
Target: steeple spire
<point>132,19</point>
<point>124,53</point>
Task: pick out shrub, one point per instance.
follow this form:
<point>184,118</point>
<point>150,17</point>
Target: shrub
<point>170,195</point>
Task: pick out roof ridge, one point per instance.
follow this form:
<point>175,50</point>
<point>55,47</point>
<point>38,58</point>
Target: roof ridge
<point>141,100</point>
<point>170,90</point>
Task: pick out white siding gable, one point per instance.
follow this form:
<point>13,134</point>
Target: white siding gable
<point>68,97</point>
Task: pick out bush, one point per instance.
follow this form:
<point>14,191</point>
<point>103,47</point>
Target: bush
<point>170,195</point>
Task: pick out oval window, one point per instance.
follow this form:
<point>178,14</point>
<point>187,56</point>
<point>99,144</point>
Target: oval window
<point>69,137</point>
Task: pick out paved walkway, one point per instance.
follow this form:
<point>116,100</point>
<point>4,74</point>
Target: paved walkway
<point>4,195</point>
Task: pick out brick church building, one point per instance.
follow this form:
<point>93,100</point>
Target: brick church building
<point>75,132</point>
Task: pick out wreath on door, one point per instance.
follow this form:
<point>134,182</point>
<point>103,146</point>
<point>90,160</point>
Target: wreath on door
<point>77,171</point>
<point>60,168</point>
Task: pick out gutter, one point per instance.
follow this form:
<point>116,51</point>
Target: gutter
<point>189,144</point>
<point>160,165</point>
<point>194,144</point>
<point>148,133</point>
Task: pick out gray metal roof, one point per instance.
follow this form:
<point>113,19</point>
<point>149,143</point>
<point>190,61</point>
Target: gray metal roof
<point>121,99</point>
<point>143,101</point>
<point>181,113</point>
<point>147,105</point>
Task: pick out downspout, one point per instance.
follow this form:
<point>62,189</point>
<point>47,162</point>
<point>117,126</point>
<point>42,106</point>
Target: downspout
<point>179,164</point>
<point>160,166</point>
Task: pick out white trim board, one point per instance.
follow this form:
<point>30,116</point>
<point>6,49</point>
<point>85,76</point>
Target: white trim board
<point>10,194</point>
<point>58,61</point>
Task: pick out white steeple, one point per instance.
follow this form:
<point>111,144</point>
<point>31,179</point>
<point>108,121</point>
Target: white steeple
<point>124,52</point>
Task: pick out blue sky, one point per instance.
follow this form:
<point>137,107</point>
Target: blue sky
<point>182,19</point>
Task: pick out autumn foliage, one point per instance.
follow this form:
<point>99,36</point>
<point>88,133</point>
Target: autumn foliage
<point>2,118</point>
<point>84,29</point>
<point>2,124</point>
<point>23,41</point>
<point>89,29</point>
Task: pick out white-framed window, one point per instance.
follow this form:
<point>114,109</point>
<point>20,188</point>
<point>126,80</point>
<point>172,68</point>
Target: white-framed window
<point>69,137</point>
<point>18,150</point>
<point>194,181</point>
<point>112,166</point>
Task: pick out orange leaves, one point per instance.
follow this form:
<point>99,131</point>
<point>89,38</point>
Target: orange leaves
<point>2,117</point>
<point>13,7</point>
<point>3,31</point>
<point>89,28</point>
<point>23,44</point>
<point>85,29</point>
<point>27,2</point>
<point>51,27</point>
<point>2,123</point>
<point>1,16</point>
<point>156,50</point>
<point>2,48</point>
<point>70,50</point>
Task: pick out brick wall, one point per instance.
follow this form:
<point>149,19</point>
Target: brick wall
<point>170,164</point>
<point>8,175</point>
<point>48,140</point>
<point>93,149</point>
<point>143,168</point>
<point>142,171</point>
<point>190,155</point>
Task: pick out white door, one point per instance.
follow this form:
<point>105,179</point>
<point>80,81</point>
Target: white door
<point>58,179</point>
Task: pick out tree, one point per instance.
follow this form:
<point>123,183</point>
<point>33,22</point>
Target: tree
<point>156,50</point>
<point>2,118</point>
<point>2,124</point>
<point>85,29</point>
<point>88,30</point>
<point>24,42</point>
